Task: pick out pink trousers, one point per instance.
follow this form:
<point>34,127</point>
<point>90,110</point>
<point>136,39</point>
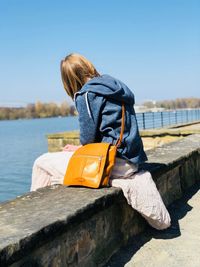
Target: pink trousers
<point>138,187</point>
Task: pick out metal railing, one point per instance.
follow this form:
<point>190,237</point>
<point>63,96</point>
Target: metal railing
<point>151,120</point>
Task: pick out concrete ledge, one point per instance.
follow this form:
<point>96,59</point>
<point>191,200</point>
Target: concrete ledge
<point>60,226</point>
<point>151,138</point>
<point>180,125</point>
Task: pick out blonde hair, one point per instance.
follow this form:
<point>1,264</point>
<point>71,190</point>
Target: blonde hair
<point>75,71</point>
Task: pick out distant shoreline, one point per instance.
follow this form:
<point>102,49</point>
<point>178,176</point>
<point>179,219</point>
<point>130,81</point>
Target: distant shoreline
<point>53,110</point>
<point>75,114</point>
<point>19,119</point>
<point>37,110</point>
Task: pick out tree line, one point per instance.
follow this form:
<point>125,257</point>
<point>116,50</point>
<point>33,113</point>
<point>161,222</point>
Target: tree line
<point>47,110</point>
<point>178,103</point>
<point>37,110</point>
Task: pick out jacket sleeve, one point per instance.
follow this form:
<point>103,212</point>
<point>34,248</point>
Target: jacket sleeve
<point>89,107</point>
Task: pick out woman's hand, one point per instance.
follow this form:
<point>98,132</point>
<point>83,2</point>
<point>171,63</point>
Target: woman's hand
<point>69,147</point>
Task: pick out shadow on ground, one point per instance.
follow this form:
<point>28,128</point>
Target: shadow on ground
<point>177,211</point>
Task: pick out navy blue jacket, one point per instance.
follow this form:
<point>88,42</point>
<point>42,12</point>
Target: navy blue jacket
<point>99,105</point>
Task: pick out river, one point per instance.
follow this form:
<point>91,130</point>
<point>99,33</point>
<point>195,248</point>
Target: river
<point>21,142</point>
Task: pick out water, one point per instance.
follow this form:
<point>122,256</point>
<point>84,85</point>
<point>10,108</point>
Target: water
<point>21,142</point>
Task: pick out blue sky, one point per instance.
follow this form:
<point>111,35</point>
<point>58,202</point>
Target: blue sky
<point>151,45</point>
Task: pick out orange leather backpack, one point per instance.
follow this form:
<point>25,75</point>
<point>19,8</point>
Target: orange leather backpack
<point>91,164</point>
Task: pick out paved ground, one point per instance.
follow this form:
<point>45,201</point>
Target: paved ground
<point>194,127</point>
<point>179,246</point>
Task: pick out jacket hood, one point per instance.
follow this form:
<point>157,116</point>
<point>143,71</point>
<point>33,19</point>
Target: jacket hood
<point>110,88</point>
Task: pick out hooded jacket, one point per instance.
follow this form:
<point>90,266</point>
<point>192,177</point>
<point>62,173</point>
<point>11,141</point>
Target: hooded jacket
<point>99,105</point>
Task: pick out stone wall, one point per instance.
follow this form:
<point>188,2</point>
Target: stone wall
<point>63,226</point>
<point>57,141</point>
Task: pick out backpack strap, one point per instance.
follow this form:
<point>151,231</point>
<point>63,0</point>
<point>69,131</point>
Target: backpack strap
<point>119,140</point>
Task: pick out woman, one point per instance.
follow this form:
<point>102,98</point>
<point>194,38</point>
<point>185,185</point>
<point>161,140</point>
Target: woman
<point>98,99</point>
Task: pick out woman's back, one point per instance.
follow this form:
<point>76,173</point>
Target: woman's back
<point>99,105</point>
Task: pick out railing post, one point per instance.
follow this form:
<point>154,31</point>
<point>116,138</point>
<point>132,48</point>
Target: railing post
<point>169,118</point>
<point>187,115</point>
<point>161,113</point>
<point>143,120</point>
<point>176,119</point>
<point>153,120</point>
<point>182,117</point>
